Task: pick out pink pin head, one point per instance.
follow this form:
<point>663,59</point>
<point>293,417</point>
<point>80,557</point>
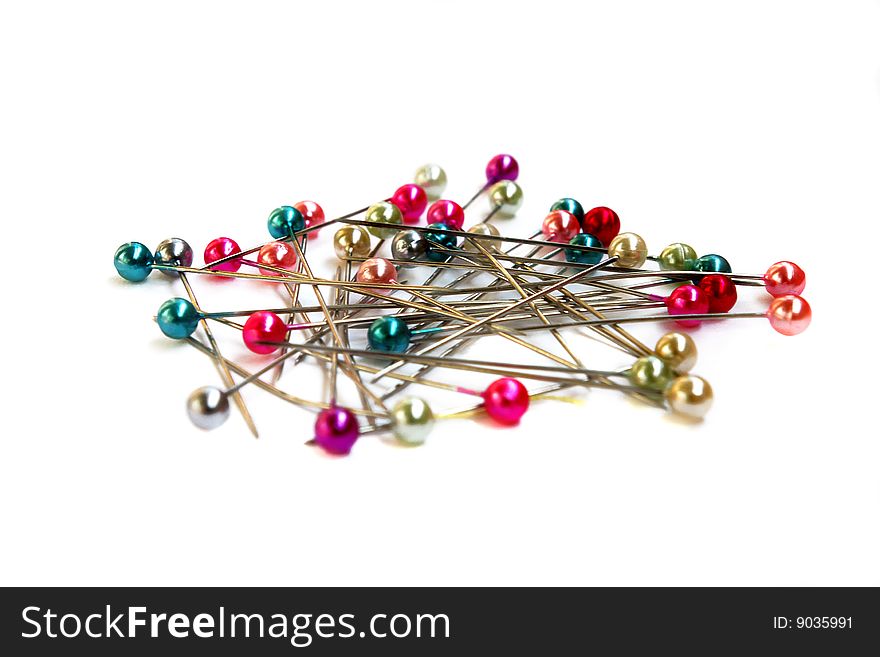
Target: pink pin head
<point>446,212</point>
<point>789,314</point>
<point>721,291</point>
<point>784,278</point>
<point>375,271</point>
<point>411,200</point>
<point>687,300</point>
<point>506,400</point>
<point>560,226</point>
<point>603,223</point>
<point>263,326</point>
<point>336,430</point>
<point>312,213</point>
<point>502,167</point>
<point>221,248</point>
<point>276,254</point>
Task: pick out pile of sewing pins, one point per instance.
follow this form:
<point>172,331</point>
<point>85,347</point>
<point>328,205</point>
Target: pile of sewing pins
<point>420,282</point>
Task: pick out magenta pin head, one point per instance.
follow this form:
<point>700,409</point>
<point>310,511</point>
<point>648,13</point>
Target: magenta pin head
<point>560,226</point>
<point>687,300</point>
<point>789,314</point>
<point>784,278</point>
<point>506,400</point>
<point>446,212</point>
<point>411,200</point>
<point>502,167</point>
<point>263,326</point>
<point>336,430</point>
<point>221,248</point>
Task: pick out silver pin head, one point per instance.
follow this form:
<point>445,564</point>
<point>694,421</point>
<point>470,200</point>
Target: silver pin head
<point>208,407</point>
<point>173,252</point>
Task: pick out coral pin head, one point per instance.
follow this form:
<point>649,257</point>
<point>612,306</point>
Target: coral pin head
<point>280,255</point>
<point>312,213</point>
<point>783,278</point>
<point>789,314</point>
<point>560,226</point>
<point>377,271</point>
<point>263,326</point>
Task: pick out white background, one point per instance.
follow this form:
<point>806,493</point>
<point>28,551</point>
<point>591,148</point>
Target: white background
<point>748,129</point>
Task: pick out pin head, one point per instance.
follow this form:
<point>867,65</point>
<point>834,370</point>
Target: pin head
<point>785,278</point>
<point>790,314</point>
<point>178,318</point>
<point>412,420</point>
<point>173,252</point>
<point>440,237</point>
<point>312,213</point>
<point>560,226</point>
<point>687,300</point>
<point>377,270</point>
<point>482,228</point>
<point>650,373</point>
<point>351,242</point>
<point>431,178</point>
<point>409,245</point>
<point>208,407</point>
<point>386,213</point>
<point>678,257</point>
<point>603,223</point>
<point>507,197</point>
<point>336,430</point>
<point>263,326</point>
<point>569,205</point>
<point>502,167</point>
<point>713,263</point>
<point>630,250</point>
<point>389,333</point>
<point>220,248</point>
<point>133,261</point>
<point>584,257</point>
<point>506,400</point>
<point>285,221</point>
<point>411,200</point>
<point>677,350</point>
<point>721,292</point>
<point>276,254</point>
<point>689,395</point>
<point>446,212</point>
